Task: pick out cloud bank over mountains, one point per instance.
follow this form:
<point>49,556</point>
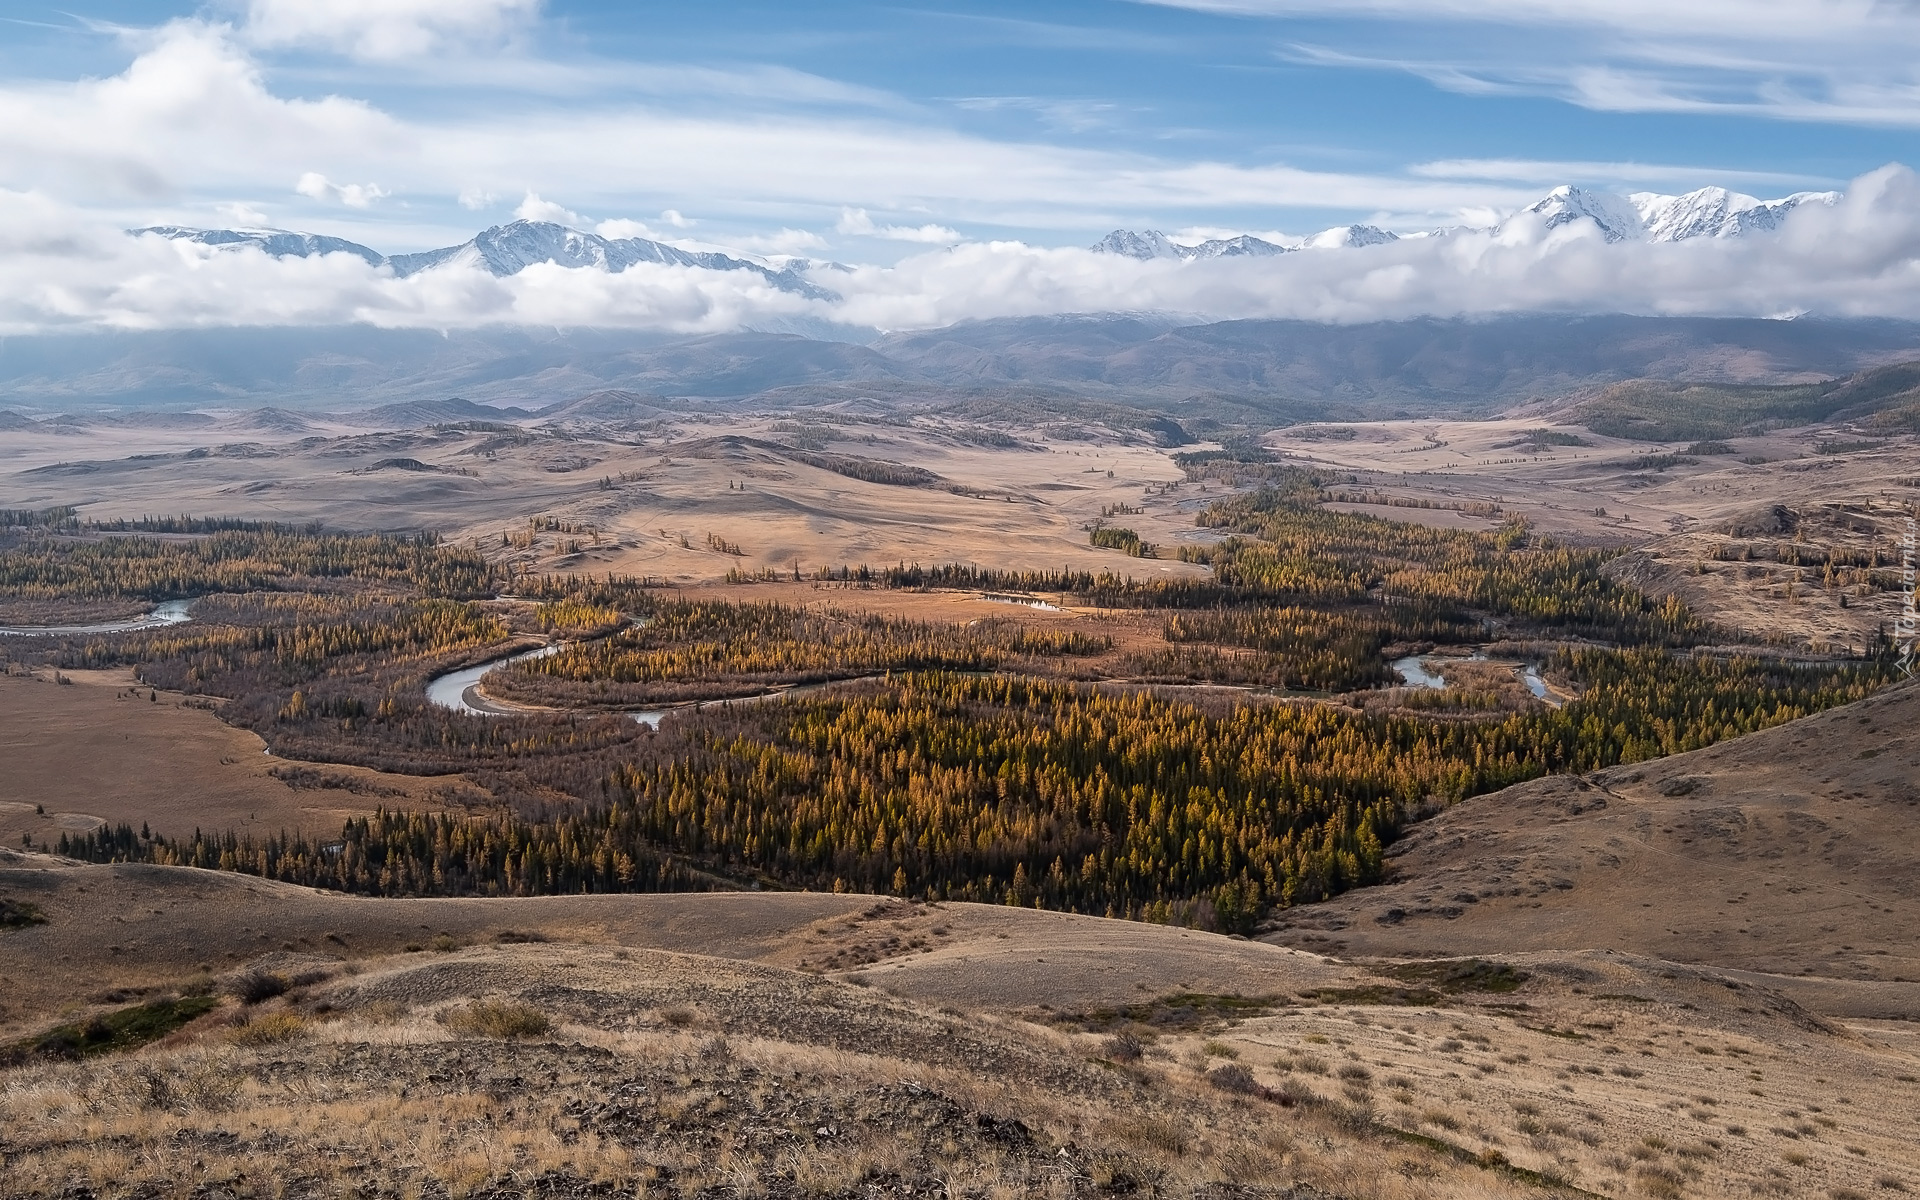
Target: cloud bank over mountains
<point>1710,252</point>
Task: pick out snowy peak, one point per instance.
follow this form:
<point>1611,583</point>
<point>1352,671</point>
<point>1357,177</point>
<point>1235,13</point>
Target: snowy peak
<point>1701,213</point>
<point>1350,236</point>
<point>1153,244</point>
<point>1717,212</point>
<point>1244,246</point>
<point>1143,246</point>
<point>1712,212</point>
<point>1617,218</point>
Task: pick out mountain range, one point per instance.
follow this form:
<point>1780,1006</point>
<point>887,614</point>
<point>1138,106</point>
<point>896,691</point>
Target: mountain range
<point>500,250</point>
<point>508,249</point>
<point>1710,212</point>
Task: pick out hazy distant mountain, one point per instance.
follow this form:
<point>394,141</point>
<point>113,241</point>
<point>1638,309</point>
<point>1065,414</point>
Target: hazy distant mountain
<point>1417,366</point>
<point>414,414</point>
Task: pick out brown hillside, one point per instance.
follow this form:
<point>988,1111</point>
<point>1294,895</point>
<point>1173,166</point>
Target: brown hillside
<point>1794,852</point>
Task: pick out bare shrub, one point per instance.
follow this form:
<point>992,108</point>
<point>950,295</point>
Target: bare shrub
<point>252,987</point>
<point>1233,1078</point>
<point>1122,1047</point>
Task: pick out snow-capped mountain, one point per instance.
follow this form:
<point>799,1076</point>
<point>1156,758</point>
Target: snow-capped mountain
<point>1343,236</point>
<point>1644,216</point>
<point>1244,246</point>
<point>1154,244</point>
<point>278,242</point>
<point>502,250</point>
<point>1143,246</point>
<point>1716,212</point>
<point>1617,218</point>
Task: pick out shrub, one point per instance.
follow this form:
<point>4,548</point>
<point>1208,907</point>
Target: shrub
<point>1233,1078</point>
<point>252,987</point>
<point>1123,1048</point>
<point>496,1019</point>
<point>18,914</point>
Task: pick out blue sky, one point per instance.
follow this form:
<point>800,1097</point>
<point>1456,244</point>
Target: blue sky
<point>870,131</point>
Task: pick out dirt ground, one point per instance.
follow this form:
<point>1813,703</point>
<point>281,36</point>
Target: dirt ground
<point>98,750</point>
<point>1609,1072</point>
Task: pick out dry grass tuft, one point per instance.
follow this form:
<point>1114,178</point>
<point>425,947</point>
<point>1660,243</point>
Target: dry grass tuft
<point>505,1019</point>
<point>269,1029</point>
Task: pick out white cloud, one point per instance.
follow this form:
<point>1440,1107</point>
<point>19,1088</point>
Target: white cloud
<point>243,214</point>
<point>60,268</point>
<point>316,186</point>
<point>475,199</point>
<point>856,222</point>
<point>193,114</point>
<point>385,29</point>
<point>533,208</point>
<point>785,241</point>
<point>621,227</point>
<point>673,218</point>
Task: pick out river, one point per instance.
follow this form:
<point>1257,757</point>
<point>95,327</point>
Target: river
<point>1413,672</point>
<point>170,612</point>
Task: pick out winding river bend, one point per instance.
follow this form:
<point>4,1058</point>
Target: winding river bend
<point>171,612</point>
<point>460,691</point>
<point>1413,672</point>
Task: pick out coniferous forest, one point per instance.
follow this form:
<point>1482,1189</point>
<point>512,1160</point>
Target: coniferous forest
<point>1002,761</point>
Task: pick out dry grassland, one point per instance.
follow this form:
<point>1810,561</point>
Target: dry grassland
<point>100,750</point>
<point>1673,507</point>
<point>1791,853</point>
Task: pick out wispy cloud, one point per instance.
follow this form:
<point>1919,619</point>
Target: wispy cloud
<point>1836,61</point>
<point>1554,172</point>
<point>385,30</point>
<point>193,114</point>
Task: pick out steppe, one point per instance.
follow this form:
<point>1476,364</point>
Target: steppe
<point>1694,976</point>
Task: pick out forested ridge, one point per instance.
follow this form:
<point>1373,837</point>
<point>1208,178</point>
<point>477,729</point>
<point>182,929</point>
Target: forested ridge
<point>984,762</point>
